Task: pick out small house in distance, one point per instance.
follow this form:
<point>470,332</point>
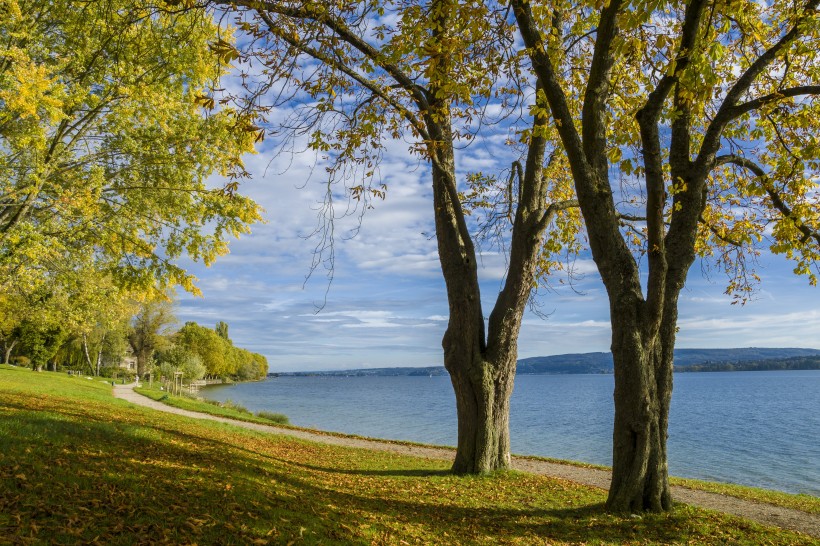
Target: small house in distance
<point>128,361</point>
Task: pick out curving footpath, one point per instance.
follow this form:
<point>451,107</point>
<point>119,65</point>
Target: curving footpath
<point>766,514</point>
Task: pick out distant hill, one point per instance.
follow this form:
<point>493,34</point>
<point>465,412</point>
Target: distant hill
<point>686,360</point>
<point>750,358</point>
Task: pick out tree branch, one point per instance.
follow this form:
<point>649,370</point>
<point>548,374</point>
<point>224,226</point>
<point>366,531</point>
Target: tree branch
<point>718,234</point>
<point>727,111</point>
<point>759,102</point>
<point>544,70</point>
<point>367,84</point>
<point>553,209</point>
<point>344,32</point>
<point>593,116</point>
<point>776,198</point>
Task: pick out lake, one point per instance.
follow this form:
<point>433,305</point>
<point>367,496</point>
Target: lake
<point>753,428</point>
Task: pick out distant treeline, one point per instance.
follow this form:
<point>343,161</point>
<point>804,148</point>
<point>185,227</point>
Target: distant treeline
<point>794,363</point>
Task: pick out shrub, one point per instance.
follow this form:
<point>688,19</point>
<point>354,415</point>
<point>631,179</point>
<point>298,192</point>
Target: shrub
<point>230,404</point>
<point>278,418</point>
<point>21,361</point>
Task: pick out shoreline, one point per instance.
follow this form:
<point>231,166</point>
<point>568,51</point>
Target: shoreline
<point>764,513</point>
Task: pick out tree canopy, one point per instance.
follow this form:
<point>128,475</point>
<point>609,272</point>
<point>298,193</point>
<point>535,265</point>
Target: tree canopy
<point>104,146</point>
<point>110,166</point>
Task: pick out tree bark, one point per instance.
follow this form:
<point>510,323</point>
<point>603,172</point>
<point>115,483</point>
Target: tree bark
<point>99,361</point>
<point>643,388</point>
<point>9,348</point>
<point>483,409</point>
<point>87,355</point>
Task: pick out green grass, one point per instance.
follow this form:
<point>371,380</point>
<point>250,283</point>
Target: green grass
<point>78,466</point>
<point>228,409</point>
<point>804,503</point>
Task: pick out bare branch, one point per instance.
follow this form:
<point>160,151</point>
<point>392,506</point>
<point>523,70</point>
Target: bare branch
<point>369,85</point>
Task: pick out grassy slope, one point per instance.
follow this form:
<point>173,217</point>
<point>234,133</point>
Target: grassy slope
<point>77,466</point>
<point>805,503</point>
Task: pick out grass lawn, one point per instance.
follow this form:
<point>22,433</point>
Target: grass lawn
<point>78,466</point>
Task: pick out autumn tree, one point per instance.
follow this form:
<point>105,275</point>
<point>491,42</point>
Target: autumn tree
<point>208,345</point>
<point>104,145</point>
<point>222,330</point>
<point>149,329</point>
<point>218,354</point>
<point>357,73</point>
<point>690,130</point>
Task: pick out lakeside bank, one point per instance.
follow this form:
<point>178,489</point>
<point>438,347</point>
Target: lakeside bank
<point>88,467</point>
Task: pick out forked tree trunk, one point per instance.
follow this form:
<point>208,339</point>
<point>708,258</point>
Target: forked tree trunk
<point>9,348</point>
<point>643,394</point>
<point>483,419</point>
<point>481,359</point>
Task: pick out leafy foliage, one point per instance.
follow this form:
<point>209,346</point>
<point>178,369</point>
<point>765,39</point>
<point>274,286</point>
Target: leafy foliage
<point>218,355</point>
<point>103,150</point>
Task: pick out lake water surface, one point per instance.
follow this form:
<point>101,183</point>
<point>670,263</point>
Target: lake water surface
<point>752,428</point>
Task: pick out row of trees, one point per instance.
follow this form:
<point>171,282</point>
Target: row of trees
<point>678,130</point>
<point>219,356</point>
<point>47,341</point>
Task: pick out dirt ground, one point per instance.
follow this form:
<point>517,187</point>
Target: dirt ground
<point>767,514</point>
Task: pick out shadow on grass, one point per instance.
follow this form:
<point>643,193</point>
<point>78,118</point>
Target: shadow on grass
<point>152,479</point>
<point>388,472</point>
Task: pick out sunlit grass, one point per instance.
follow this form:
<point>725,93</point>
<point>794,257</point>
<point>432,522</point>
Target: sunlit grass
<point>77,466</point>
<point>804,503</point>
<point>230,411</point>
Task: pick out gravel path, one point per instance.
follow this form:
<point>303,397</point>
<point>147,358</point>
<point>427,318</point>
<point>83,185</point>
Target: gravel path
<point>767,514</point>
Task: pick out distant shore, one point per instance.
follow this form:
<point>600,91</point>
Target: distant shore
<point>686,360</point>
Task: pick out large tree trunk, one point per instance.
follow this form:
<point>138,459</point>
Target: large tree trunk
<point>643,388</point>
<point>483,407</point>
<point>482,404</point>
<point>481,360</point>
<point>143,358</point>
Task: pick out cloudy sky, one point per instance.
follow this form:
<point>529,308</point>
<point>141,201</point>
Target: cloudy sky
<point>387,305</point>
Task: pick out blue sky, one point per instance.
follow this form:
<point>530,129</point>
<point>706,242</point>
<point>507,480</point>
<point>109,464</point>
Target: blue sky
<point>387,304</point>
